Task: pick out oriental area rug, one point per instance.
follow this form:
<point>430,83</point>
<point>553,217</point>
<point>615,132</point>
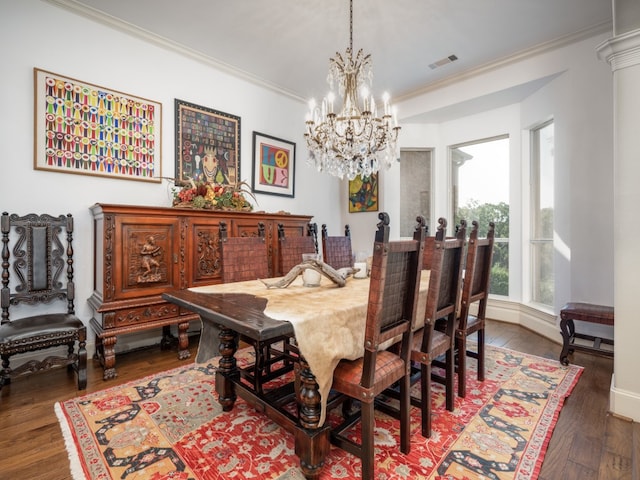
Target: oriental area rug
<point>170,426</point>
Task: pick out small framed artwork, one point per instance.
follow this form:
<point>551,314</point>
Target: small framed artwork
<point>363,194</point>
<point>274,162</point>
<point>207,145</point>
<point>92,130</point>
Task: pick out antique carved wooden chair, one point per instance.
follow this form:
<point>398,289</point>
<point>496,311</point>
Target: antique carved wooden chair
<point>475,288</point>
<point>443,298</point>
<point>37,273</point>
<point>336,250</point>
<point>393,298</point>
<point>291,248</point>
<point>245,258</point>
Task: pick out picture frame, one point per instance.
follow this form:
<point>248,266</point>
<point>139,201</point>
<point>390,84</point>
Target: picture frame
<point>274,161</point>
<point>207,145</point>
<point>363,194</point>
<point>88,129</point>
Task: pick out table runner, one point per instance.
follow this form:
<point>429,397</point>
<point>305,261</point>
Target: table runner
<point>328,321</point>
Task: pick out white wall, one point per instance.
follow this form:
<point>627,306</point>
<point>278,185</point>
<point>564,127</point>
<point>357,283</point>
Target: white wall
<point>37,34</point>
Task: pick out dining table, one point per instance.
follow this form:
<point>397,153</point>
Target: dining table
<point>327,323</point>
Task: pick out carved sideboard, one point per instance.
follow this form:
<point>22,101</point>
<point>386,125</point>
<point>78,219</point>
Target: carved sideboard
<point>142,252</point>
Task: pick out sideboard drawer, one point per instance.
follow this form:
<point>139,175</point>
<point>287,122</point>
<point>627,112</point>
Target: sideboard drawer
<point>144,314</point>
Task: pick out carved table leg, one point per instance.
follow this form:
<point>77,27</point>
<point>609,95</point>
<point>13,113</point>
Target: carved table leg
<point>311,442</point>
<point>227,369</point>
<point>567,329</point>
<point>308,397</point>
<point>183,341</point>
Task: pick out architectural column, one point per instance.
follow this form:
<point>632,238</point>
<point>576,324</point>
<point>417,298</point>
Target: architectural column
<point>622,53</point>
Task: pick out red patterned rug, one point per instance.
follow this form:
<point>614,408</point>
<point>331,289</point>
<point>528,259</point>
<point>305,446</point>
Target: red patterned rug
<point>170,426</point>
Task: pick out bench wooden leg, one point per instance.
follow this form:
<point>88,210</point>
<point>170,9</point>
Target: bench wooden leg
<point>567,329</point>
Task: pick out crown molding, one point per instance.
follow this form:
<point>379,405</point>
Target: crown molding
<point>621,51</point>
<point>145,35</point>
<point>512,59</point>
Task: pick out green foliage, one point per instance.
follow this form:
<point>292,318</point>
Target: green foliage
<point>499,282</point>
<point>499,215</point>
<point>485,213</point>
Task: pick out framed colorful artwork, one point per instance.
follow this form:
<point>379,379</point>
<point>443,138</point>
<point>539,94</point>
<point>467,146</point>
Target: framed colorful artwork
<point>91,130</point>
<point>207,145</point>
<point>274,162</point>
<point>363,194</point>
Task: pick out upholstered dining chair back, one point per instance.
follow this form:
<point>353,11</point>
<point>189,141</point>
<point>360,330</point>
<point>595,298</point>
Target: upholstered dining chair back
<point>429,343</point>
<point>243,258</point>
<point>336,250</point>
<point>290,249</point>
<point>475,289</point>
<point>38,294</point>
<point>440,235</point>
<point>391,313</point>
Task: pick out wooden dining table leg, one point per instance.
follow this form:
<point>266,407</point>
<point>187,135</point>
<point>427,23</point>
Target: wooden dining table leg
<point>227,369</point>
<point>311,441</point>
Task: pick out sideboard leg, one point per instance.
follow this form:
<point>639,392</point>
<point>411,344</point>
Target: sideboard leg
<point>108,357</point>
<point>183,341</point>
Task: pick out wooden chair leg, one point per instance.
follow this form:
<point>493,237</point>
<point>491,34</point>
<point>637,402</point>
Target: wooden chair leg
<point>425,399</point>
<point>449,380</point>
<point>368,451</point>
<point>82,365</point>
<point>481,355</point>
<point>462,366</point>
<point>405,414</point>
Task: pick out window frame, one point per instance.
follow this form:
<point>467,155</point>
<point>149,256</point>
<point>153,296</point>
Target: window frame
<point>537,239</point>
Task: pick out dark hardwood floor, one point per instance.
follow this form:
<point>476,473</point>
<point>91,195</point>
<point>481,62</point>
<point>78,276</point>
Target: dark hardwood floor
<point>587,443</point>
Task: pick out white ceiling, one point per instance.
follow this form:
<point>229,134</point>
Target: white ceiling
<point>286,44</point>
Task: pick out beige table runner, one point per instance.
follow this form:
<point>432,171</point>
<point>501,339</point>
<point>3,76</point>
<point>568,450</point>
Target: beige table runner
<point>328,321</point>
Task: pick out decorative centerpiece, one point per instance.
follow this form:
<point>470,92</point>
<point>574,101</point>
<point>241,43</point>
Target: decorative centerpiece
<point>211,196</point>
<point>339,277</point>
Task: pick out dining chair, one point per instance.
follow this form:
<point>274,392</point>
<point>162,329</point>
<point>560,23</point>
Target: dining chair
<point>429,243</point>
<point>336,250</point>
<point>246,258</point>
<point>475,289</point>
<point>290,249</point>
<point>391,313</point>
<point>243,258</point>
<point>37,276</point>
<point>430,343</point>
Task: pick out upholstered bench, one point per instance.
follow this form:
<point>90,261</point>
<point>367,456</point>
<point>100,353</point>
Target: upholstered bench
<point>589,313</point>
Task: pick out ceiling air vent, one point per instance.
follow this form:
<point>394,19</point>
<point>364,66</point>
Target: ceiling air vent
<point>444,61</point>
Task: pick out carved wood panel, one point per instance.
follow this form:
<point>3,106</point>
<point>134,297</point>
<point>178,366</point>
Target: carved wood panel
<point>145,253</point>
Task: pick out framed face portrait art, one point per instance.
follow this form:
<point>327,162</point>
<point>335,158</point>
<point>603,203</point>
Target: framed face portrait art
<point>207,145</point>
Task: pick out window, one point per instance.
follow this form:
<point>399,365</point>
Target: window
<point>542,203</point>
<point>480,191</point>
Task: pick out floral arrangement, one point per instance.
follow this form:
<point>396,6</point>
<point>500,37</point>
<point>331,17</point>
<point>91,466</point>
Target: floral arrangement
<point>205,195</point>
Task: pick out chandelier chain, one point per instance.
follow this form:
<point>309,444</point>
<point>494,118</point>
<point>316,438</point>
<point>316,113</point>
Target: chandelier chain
<point>351,25</point>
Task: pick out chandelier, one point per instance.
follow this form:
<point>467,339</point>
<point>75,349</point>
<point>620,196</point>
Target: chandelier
<point>356,140</point>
